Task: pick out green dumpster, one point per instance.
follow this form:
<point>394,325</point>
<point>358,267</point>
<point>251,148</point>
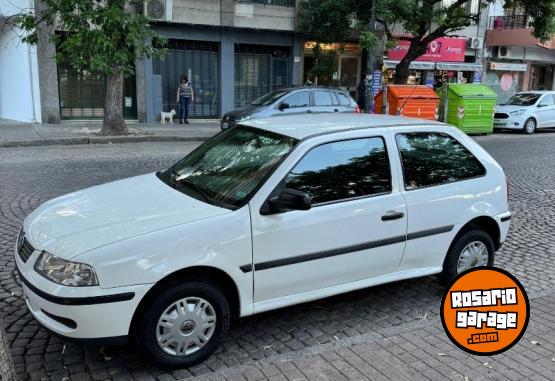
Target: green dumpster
<point>471,108</point>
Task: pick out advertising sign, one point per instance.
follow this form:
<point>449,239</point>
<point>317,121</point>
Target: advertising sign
<point>443,49</point>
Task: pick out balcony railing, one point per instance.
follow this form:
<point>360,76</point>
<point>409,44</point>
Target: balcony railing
<point>279,3</point>
<point>510,22</point>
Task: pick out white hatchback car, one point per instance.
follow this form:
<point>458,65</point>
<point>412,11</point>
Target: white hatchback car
<point>526,112</point>
<point>267,214</point>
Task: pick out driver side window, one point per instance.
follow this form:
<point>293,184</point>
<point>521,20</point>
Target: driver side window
<point>342,170</point>
<point>300,99</point>
<point>547,100</point>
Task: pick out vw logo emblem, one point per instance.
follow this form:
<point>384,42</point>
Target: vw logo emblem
<point>227,117</point>
<point>20,240</point>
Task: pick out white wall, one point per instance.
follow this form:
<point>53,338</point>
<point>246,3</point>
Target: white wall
<point>19,83</point>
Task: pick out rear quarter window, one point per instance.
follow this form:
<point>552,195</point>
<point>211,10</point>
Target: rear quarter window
<point>343,99</point>
<point>432,158</point>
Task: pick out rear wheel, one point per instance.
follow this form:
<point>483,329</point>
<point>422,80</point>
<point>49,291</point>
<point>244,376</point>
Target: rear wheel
<point>472,249</point>
<point>529,126</point>
<point>184,324</point>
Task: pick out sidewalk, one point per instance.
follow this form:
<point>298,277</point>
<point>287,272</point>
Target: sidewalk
<point>14,134</point>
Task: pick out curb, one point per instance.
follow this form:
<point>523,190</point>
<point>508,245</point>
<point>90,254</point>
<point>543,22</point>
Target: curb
<point>100,140</point>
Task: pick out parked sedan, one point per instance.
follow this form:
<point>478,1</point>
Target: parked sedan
<point>267,214</point>
<point>526,112</point>
<point>296,100</point>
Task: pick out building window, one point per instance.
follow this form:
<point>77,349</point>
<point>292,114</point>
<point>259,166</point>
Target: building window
<point>279,3</point>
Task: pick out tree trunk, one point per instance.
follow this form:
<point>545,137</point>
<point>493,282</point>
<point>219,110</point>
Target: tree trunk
<point>113,106</point>
<point>402,72</point>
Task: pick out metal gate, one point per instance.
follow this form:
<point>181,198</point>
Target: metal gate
<point>258,70</point>
<point>199,61</point>
<point>82,94</point>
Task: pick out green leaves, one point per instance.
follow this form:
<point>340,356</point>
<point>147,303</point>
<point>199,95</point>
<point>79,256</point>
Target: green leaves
<point>98,36</point>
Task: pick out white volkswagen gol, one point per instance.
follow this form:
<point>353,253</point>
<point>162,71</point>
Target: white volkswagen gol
<point>267,214</point>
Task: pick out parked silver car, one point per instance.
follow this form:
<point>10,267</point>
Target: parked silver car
<point>526,112</point>
<point>294,100</point>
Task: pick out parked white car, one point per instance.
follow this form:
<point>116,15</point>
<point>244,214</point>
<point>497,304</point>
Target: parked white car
<point>526,111</point>
<point>267,214</point>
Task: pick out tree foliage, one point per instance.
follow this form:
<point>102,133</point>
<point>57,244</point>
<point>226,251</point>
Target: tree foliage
<point>99,36</point>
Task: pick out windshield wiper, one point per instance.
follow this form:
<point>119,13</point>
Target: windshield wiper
<point>197,189</point>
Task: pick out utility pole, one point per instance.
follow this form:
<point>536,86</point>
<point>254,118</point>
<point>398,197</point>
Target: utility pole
<point>371,64</point>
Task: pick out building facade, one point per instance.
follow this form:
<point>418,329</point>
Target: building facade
<point>19,74</point>
<point>232,51</point>
<point>516,60</point>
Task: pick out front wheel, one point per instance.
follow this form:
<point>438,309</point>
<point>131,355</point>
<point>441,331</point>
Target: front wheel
<point>529,126</point>
<point>183,324</point>
<point>472,249</point>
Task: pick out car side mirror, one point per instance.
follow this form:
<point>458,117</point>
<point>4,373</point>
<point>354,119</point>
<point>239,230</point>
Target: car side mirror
<point>288,199</point>
<point>283,106</point>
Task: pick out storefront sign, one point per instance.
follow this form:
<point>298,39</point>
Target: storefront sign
<point>376,82</point>
<point>443,49</point>
<point>477,77</point>
<point>506,66</point>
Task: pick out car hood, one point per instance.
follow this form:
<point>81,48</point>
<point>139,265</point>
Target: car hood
<point>243,111</point>
<point>509,109</point>
<point>84,220</point>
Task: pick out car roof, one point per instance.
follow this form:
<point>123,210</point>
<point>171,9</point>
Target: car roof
<point>307,125</point>
<point>310,87</point>
<point>537,92</point>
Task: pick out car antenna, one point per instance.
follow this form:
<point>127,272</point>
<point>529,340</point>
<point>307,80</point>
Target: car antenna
<point>398,113</point>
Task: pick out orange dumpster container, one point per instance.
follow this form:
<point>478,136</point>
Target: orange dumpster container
<point>413,101</point>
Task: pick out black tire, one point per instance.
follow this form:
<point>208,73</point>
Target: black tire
<point>526,128</point>
<point>145,331</point>
<point>461,241</point>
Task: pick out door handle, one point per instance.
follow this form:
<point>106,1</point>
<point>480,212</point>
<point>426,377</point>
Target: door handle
<point>335,110</point>
<point>390,216</point>
<point>309,111</point>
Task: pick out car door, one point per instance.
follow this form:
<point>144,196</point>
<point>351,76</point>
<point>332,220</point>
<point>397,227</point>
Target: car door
<point>546,111</point>
<point>355,229</point>
<point>325,101</point>
<point>296,103</point>
<point>443,188</point>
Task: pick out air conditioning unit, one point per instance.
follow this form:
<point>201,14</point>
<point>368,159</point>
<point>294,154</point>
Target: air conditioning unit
<point>476,43</point>
<point>503,52</point>
<point>158,9</point>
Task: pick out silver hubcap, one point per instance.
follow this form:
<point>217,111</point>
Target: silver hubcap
<point>186,326</point>
<point>475,254</point>
<point>530,126</point>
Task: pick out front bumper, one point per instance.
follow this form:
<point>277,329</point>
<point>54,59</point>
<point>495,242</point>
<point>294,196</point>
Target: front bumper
<point>80,313</point>
<point>511,123</point>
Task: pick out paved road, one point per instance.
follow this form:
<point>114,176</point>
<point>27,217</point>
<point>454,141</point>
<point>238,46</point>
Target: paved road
<point>391,331</point>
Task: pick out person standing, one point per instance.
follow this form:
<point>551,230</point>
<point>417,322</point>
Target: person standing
<point>185,95</point>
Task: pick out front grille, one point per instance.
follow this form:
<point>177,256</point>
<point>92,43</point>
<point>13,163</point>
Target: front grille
<point>500,115</point>
<point>25,250</point>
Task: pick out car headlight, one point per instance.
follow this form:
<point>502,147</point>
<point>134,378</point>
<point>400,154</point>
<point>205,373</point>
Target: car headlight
<point>517,112</point>
<point>64,272</point>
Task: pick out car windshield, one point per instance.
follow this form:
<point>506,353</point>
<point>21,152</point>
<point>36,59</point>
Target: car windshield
<point>527,99</point>
<point>228,168</point>
<point>269,98</point>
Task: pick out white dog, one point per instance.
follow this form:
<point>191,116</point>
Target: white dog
<point>167,115</point>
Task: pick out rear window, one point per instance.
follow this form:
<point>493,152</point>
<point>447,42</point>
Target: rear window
<point>431,158</point>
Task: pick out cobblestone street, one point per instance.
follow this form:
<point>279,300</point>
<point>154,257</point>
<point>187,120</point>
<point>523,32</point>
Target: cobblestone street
<point>386,332</point>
